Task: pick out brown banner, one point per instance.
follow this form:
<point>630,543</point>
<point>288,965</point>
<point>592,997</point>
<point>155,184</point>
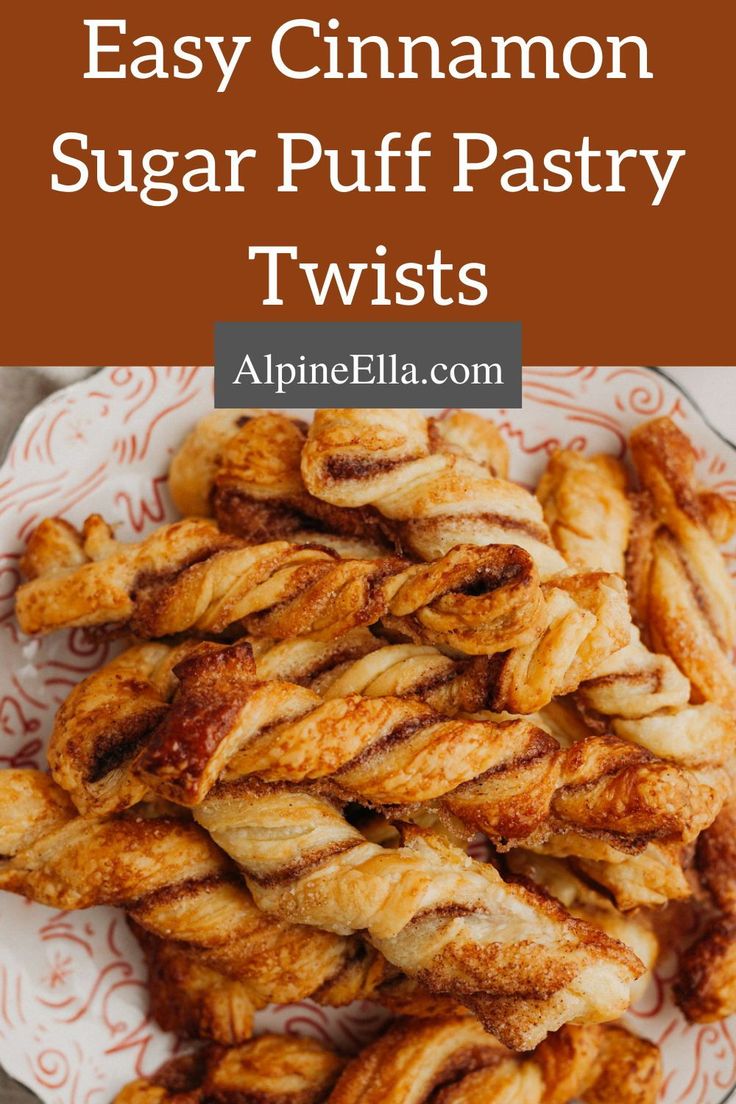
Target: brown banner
<point>595,272</point>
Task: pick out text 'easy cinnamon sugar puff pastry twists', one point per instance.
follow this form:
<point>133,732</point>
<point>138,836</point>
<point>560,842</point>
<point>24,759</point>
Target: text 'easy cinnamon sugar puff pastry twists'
<point>445,1061</point>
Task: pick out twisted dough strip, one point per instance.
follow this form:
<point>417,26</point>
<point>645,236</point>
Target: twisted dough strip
<point>681,591</point>
<point>648,880</point>
<point>584,618</point>
<point>640,696</point>
<point>356,457</point>
<point>246,471</point>
<point>192,999</point>
<point>353,458</point>
<point>517,960</point>
<point>272,1069</point>
<point>510,780</point>
<point>190,576</point>
<point>365,666</point>
<point>587,510</point>
<point>586,902</point>
<point>439,915</point>
<point>107,720</point>
<point>706,986</point>
<point>116,734</point>
<point>168,876</point>
<point>446,1061</point>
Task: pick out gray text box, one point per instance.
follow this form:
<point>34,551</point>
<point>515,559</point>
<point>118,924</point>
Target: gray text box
<point>366,364</point>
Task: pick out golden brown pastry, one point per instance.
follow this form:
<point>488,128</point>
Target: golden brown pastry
<point>706,986</point>
<point>354,458</point>
<point>637,694</point>
<point>244,468</point>
<point>192,999</point>
<point>361,663</point>
<point>452,924</point>
<point>272,1069</point>
<point>107,720</point>
<point>509,779</point>
<point>190,577</point>
<point>446,1061</point>
<point>681,591</point>
<point>168,876</point>
<point>517,960</point>
<point>104,723</point>
<point>647,880</point>
<point>481,601</point>
<point>434,500</point>
<point>586,902</point>
<point>587,510</point>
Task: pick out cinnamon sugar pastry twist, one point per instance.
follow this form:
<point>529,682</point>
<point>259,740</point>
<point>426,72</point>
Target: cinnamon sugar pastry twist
<point>192,999</point>
<point>586,902</point>
<point>682,594</point>
<point>434,500</point>
<point>108,718</point>
<point>246,471</point>
<point>446,1061</point>
<point>354,457</point>
<point>587,510</point>
<point>517,960</point>
<point>706,986</point>
<point>272,1069</point>
<point>191,577</point>
<point>169,877</point>
<point>639,695</point>
<point>511,779</point>
<point>648,880</point>
<point>451,923</point>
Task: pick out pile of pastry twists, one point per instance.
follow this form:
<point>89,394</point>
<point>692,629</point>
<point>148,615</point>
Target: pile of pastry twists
<point>361,646</point>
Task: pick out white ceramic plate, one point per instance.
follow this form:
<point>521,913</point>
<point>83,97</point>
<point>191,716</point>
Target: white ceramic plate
<point>73,1024</point>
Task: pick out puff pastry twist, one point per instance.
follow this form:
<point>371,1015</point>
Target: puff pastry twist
<point>517,960</point>
<point>272,1069</point>
<point>637,694</point>
<point>682,594</point>
<point>706,986</point>
<point>169,877</point>
<point>587,510</point>
<point>191,577</point>
<point>434,500</point>
<point>509,779</point>
<point>190,998</point>
<point>449,1060</point>
<point>245,468</point>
